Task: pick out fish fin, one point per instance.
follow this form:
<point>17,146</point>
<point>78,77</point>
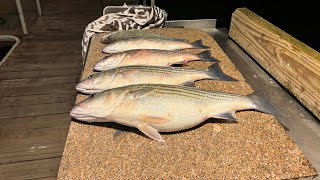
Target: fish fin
<point>118,134</point>
<point>198,44</point>
<point>215,72</point>
<point>206,56</point>
<point>226,115</point>
<point>153,119</point>
<point>263,104</point>
<point>149,131</point>
<point>188,83</point>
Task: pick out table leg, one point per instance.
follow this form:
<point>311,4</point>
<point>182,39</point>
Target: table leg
<point>39,7</point>
<point>20,11</point>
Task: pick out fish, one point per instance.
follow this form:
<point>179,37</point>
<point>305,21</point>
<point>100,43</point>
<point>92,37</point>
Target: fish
<point>150,43</point>
<point>144,57</point>
<point>133,33</point>
<point>155,108</point>
<point>129,75</point>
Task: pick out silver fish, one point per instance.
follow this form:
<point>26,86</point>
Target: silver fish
<point>144,57</point>
<point>129,75</point>
<point>150,43</point>
<point>134,33</point>
<point>154,108</point>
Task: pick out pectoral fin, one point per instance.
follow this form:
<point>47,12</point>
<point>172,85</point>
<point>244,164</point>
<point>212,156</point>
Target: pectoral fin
<point>149,131</point>
<point>117,135</point>
<point>188,83</point>
<point>226,115</point>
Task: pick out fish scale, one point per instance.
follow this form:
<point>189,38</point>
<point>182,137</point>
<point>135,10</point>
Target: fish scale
<point>185,90</point>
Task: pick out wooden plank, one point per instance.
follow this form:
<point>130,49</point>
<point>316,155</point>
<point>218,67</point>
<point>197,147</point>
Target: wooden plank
<point>11,101</point>
<point>44,54</point>
<point>39,73</point>
<point>55,36</point>
<point>36,59</point>
<point>25,66</point>
<point>295,65</point>
<point>45,89</point>
<point>29,137</point>
<point>35,122</point>
<point>35,110</point>
<point>30,169</point>
<point>32,144</point>
<point>48,46</point>
<point>71,43</point>
<point>38,81</point>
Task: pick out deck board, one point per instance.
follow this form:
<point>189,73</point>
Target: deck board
<point>45,89</point>
<point>34,110</point>
<point>30,169</point>
<point>37,88</point>
<point>39,73</point>
<point>12,101</point>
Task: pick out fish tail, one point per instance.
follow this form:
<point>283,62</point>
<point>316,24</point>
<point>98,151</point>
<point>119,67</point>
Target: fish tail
<point>215,72</point>
<point>263,104</point>
<point>198,44</point>
<point>206,56</point>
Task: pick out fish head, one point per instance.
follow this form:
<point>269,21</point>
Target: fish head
<point>96,108</point>
<point>95,83</point>
<point>109,62</point>
<point>107,38</point>
<point>112,48</point>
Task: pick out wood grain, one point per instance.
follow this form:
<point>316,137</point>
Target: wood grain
<point>39,73</point>
<point>37,87</point>
<point>11,101</point>
<point>295,65</point>
<point>30,169</point>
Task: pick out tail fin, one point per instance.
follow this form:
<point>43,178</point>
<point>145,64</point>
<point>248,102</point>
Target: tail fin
<point>215,72</point>
<point>263,104</point>
<point>206,56</point>
<point>198,44</point>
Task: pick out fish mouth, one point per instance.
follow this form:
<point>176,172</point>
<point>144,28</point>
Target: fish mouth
<point>80,115</point>
<point>89,91</point>
<point>98,67</point>
<point>86,90</point>
<point>109,51</point>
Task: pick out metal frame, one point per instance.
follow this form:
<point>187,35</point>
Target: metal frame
<point>10,38</point>
<point>21,15</point>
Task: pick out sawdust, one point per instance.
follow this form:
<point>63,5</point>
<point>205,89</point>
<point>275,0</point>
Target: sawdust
<point>256,147</point>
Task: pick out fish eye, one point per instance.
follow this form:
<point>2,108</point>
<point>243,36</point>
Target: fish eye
<point>92,95</point>
<point>91,76</point>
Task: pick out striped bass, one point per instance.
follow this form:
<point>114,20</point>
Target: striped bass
<point>132,33</point>
<point>129,75</point>
<point>150,58</point>
<point>150,43</point>
<point>154,108</point>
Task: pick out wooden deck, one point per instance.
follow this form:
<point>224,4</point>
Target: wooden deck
<point>37,89</point>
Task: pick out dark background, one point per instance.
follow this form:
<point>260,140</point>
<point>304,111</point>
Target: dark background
<point>300,19</point>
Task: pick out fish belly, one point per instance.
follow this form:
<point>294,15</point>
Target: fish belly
<point>166,113</point>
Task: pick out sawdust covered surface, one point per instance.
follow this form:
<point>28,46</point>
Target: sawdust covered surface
<point>256,147</point>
